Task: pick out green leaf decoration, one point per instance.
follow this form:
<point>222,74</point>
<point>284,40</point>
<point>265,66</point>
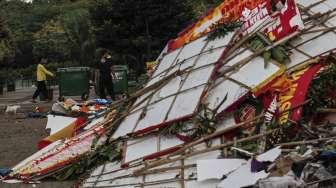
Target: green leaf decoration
<point>278,53</point>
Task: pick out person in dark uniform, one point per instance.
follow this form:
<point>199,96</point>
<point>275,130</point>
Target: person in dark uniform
<point>105,76</point>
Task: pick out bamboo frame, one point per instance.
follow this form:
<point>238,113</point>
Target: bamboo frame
<point>214,148</point>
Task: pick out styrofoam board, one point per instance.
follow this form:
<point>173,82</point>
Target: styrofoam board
<point>253,73</point>
<point>243,53</point>
<point>121,182</point>
<point>305,2</point>
<point>187,64</point>
<point>198,77</point>
<point>108,167</point>
<point>209,57</point>
<point>143,148</point>
<point>169,142</point>
<point>185,103</point>
<point>203,184</point>
<point>192,49</point>
<point>242,177</point>
<point>204,156</point>
<point>179,55</point>
<point>331,3</point>
<point>297,57</point>
<point>155,114</point>
<point>108,172</point>
<point>233,91</point>
<point>141,101</point>
<point>322,8</point>
<point>188,96</point>
<point>217,168</point>
<point>305,37</point>
<point>219,42</point>
<point>167,90</point>
<point>127,125</point>
<point>331,22</point>
<point>166,62</point>
<point>175,184</point>
<point>162,176</point>
<point>319,45</point>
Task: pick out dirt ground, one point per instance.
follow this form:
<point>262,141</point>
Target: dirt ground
<point>19,137</point>
<point>18,140</point>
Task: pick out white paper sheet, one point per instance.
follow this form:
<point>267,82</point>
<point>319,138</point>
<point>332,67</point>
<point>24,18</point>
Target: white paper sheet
<point>270,155</point>
<point>242,177</point>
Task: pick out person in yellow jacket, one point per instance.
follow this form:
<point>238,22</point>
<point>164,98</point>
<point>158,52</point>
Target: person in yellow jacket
<point>41,75</point>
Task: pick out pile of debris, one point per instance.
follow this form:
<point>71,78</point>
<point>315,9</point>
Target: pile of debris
<point>243,97</point>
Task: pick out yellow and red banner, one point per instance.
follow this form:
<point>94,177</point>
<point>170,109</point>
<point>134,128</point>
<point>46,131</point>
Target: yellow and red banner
<point>229,10</point>
<point>292,91</point>
<point>290,101</point>
<point>65,133</point>
<point>252,14</point>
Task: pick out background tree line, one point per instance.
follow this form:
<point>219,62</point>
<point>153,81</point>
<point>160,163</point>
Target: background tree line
<point>72,32</point>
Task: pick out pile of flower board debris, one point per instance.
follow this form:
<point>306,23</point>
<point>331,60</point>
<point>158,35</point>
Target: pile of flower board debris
<point>243,97</point>
<point>70,118</point>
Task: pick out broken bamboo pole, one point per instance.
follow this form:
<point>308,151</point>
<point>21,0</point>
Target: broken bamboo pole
<point>315,141</point>
<point>320,181</point>
<point>326,110</point>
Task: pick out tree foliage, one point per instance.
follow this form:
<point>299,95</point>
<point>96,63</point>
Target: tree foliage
<point>51,41</point>
<point>78,31</point>
<point>7,49</point>
<point>136,31</point>
<point>72,30</point>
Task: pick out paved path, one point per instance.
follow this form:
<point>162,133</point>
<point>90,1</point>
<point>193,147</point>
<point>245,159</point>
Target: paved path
<point>23,98</point>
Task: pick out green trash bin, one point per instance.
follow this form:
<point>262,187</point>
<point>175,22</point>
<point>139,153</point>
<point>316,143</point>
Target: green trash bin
<point>74,81</point>
<point>120,81</point>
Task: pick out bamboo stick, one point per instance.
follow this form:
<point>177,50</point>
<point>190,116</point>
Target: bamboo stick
<point>182,173</point>
<point>315,141</point>
<point>326,110</point>
<point>160,170</point>
<point>320,30</point>
<point>320,181</point>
